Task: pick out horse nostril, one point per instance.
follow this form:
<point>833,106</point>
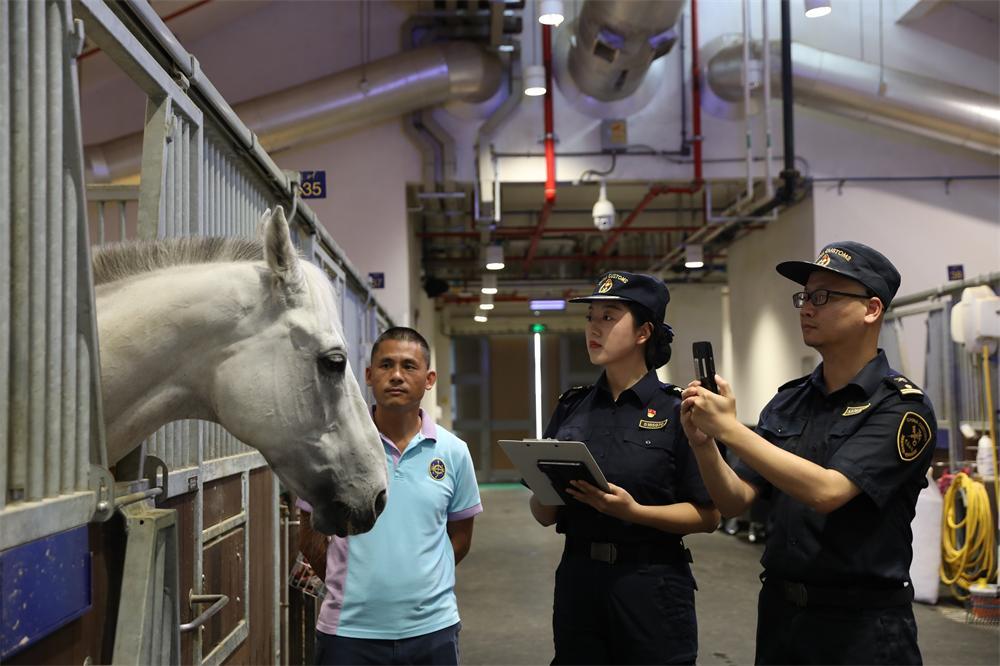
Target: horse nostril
<point>380,500</point>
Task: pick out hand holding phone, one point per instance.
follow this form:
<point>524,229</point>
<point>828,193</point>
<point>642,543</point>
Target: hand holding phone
<point>704,365</point>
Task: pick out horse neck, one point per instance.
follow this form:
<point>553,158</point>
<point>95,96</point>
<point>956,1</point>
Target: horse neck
<point>162,334</point>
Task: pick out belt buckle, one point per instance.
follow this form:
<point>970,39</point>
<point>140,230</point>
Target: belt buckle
<point>603,552</point>
<point>796,593</point>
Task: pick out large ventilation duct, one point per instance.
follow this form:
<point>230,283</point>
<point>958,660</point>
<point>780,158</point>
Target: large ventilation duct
<point>835,83</point>
<point>342,102</point>
<point>616,41</point>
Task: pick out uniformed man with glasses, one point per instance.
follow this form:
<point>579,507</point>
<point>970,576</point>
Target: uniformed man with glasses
<point>843,452</point>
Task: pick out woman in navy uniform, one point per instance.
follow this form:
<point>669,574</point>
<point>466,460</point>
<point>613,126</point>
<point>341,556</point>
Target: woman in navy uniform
<point>843,452</point>
<point>624,592</point>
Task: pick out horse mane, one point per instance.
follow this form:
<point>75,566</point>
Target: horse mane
<point>122,260</point>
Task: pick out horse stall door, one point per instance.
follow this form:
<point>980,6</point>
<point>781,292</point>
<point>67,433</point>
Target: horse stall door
<point>235,554</point>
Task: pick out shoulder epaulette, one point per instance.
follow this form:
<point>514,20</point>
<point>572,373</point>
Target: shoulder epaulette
<point>575,392</point>
<point>795,382</point>
<point>670,388</point>
<point>906,389</point>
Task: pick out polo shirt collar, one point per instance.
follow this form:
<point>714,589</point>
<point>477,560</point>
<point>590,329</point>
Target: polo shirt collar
<point>428,429</point>
<point>644,389</point>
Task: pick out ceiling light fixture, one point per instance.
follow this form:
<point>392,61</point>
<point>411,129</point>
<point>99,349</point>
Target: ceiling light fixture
<point>481,318</point>
<point>548,304</point>
<point>534,80</point>
<point>494,258</point>
<point>694,256</point>
<point>489,284</point>
<point>550,12</point>
<point>817,8</point>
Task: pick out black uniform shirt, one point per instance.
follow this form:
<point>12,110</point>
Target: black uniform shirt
<point>639,444</point>
<point>879,432</point>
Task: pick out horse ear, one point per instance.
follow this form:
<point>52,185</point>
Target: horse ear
<point>281,255</point>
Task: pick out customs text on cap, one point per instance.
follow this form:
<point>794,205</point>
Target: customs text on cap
<point>646,290</point>
<point>853,260</point>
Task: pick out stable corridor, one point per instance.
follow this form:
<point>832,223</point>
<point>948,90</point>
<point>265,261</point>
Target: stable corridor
<point>505,595</point>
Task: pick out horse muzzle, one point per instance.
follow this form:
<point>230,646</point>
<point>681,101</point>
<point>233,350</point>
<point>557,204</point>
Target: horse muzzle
<point>340,519</point>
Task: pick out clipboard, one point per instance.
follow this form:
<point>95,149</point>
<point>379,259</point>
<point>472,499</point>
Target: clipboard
<point>526,453</point>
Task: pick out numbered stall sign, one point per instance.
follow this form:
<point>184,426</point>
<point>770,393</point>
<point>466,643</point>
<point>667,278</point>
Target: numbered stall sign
<point>313,184</point>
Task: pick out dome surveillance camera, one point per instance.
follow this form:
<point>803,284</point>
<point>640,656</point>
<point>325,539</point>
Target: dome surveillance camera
<point>603,211</point>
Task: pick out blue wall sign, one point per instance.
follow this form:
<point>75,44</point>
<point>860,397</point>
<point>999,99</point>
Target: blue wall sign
<point>956,272</point>
<point>313,184</point>
<point>376,280</point>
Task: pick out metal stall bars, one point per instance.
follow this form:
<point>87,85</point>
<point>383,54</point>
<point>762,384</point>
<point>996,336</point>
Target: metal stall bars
<point>53,480</point>
<point>204,173</point>
<point>951,375</point>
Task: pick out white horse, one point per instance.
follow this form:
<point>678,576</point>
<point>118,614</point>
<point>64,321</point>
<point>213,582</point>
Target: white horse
<point>228,331</point>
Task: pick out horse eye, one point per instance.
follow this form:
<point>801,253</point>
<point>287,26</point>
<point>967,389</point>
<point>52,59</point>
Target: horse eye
<point>334,363</point>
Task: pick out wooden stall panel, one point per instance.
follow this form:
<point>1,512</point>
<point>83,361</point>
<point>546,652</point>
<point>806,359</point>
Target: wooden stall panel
<point>186,506</point>
<point>222,499</point>
<point>223,570</point>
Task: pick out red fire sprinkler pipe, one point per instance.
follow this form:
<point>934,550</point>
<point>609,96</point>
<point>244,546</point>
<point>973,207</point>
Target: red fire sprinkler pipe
<point>550,150</point>
<point>550,142</point>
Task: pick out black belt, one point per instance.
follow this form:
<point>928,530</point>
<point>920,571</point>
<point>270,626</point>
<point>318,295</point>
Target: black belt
<point>628,553</point>
<point>810,596</point>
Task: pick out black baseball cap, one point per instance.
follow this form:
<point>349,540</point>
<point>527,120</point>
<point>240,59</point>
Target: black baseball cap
<point>854,260</point>
<point>646,290</point>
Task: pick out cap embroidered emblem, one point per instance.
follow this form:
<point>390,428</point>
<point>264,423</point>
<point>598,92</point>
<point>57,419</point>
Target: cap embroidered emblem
<point>824,260</point>
<point>605,286</point>
<point>650,413</point>
<point>437,469</point>
<point>912,436</point>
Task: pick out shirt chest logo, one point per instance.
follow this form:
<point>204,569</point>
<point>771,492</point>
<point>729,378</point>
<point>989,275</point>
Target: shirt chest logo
<point>912,436</point>
<point>437,469</point>
<point>851,410</point>
<point>653,425</point>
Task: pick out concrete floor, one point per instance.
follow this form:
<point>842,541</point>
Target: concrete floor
<point>505,595</point>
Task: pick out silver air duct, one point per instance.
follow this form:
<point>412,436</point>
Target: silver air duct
<point>342,102</point>
<point>835,83</point>
<point>616,41</point>
<point>608,59</point>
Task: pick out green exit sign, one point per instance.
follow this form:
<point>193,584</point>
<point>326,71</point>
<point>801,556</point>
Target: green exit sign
<point>538,328</point>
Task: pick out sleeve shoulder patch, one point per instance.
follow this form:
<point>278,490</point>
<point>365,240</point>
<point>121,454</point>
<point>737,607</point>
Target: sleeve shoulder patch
<point>904,387</point>
<point>575,393</point>
<point>912,436</point>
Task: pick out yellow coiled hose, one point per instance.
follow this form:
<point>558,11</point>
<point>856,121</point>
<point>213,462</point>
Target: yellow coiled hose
<point>975,559</point>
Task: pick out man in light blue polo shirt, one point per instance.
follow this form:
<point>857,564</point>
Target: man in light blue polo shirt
<point>391,592</point>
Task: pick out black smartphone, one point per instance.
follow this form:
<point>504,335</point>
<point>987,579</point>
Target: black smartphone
<point>704,365</point>
<point>561,472</point>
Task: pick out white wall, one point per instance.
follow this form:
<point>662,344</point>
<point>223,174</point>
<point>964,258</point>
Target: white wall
<point>696,313</point>
<point>766,339</point>
<point>365,209</point>
<point>919,226</point>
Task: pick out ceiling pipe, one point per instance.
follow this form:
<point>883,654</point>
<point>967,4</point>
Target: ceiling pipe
<point>528,232</point>
<point>791,181</point>
<point>550,151</point>
<point>838,84</point>
<point>339,103</point>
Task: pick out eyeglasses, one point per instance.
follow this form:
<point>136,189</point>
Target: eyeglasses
<point>820,296</point>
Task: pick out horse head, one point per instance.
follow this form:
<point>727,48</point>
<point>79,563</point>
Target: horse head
<point>288,390</point>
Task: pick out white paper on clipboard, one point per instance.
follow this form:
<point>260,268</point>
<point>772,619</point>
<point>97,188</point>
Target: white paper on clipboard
<point>525,454</point>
